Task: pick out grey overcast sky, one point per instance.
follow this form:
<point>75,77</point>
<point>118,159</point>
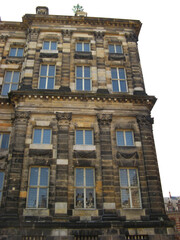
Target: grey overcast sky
<point>159,48</point>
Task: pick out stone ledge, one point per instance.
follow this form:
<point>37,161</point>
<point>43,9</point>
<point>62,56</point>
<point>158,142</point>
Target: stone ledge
<point>36,212</point>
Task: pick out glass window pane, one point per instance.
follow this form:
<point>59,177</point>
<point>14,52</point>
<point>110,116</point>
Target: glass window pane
<point>123,178</point>
<point>34,176</point>
<point>78,71</point>
<point>133,177</point>
<point>90,198</point>
<point>79,47</point>
<point>15,77</point>
<point>12,52</point>
<point>5,141</point>
<point>89,177</point>
<point>79,84</point>
<point>44,176</point>
<point>37,136</point>
<point>79,177</point>
<point>123,86</point>
<point>53,45</point>
<point>88,137</point>
<point>87,72</point>
<point>111,48</point>
<point>32,197</point>
<point>87,84</point>
<point>80,198</point>
<point>118,49</point>
<point>51,70</point>
<point>47,136</point>
<point>5,89</point>
<point>114,73</point>
<point>86,47</point>
<point>43,70</point>
<point>20,52</point>
<point>135,198</point>
<point>42,198</point>
<point>1,180</point>
<point>50,84</point>
<point>8,77</point>
<point>120,138</point>
<point>46,45</point>
<point>115,86</point>
<point>125,198</point>
<point>42,83</point>
<point>79,137</point>
<point>121,73</point>
<point>14,87</point>
<point>129,138</point>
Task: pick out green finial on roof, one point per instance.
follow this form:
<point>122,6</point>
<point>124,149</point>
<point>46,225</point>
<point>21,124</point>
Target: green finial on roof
<point>77,8</point>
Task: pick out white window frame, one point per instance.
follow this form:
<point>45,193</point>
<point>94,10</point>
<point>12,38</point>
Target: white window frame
<point>130,188</point>
<point>83,43</point>
<point>38,187</point>
<point>84,188</point>
<point>115,48</point>
<point>1,137</point>
<point>84,78</point>
<point>16,51</point>
<point>124,137</point>
<point>50,43</point>
<point>10,82</point>
<point>47,76</point>
<point>1,189</point>
<point>119,79</point>
<point>84,139</point>
<point>42,135</point>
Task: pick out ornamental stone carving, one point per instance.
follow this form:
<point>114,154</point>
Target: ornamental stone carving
<point>42,10</point>
<point>22,115</point>
<point>104,119</point>
<point>127,155</point>
<point>63,116</point>
<point>131,37</point>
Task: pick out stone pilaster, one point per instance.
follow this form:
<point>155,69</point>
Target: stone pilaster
<point>61,198</point>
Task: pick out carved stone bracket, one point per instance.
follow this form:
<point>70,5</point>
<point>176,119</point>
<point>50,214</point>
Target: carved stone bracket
<point>63,118</point>
<point>66,33</point>
<point>3,38</point>
<point>99,35</point>
<point>22,115</point>
<point>145,121</point>
<point>131,37</point>
<point>127,155</point>
<point>104,119</point>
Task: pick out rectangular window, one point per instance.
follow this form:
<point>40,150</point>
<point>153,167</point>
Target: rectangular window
<point>11,81</point>
<point>114,48</point>
<point>47,76</point>
<point>42,136</point>
<point>119,83</point>
<point>125,138</point>
<point>84,188</point>
<point>83,79</point>
<point>84,137</point>
<point>16,52</point>
<point>82,47</point>
<point>129,186</point>
<point>38,187</point>
<point>1,184</point>
<point>4,140</point>
<point>49,45</point>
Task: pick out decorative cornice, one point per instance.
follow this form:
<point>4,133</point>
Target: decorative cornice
<point>104,119</point>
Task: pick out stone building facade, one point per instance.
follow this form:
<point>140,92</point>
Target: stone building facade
<point>77,155</point>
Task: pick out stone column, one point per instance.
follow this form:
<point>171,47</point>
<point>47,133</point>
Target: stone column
<point>104,121</point>
<point>18,144</point>
<point>61,198</point>
<point>154,200</point>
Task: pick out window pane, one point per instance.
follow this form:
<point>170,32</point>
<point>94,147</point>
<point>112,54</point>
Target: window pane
<point>120,138</point>
<point>5,141</point>
<point>1,180</point>
<point>87,72</point>
<point>32,197</point>
<point>47,136</point>
<point>43,70</point>
<point>115,86</point>
<point>129,138</point>
<point>80,198</point>
<point>51,70</point>
<point>20,52</point>
<point>37,136</point>
<point>78,71</point>
<point>90,198</point>
<point>111,48</point>
<point>15,77</point>
<point>79,177</point>
<point>53,45</point>
<point>123,178</point>
<point>123,86</point>
<point>46,45</point>
<point>133,177</point>
<point>34,176</point>
<point>79,137</point>
<point>12,52</point>
<point>8,77</point>
<point>135,198</point>
<point>5,89</point>
<point>79,47</point>
<point>50,83</point>
<point>125,198</point>
<point>42,198</point>
<point>42,83</point>
<point>121,73</point>
<point>86,47</point>
<point>89,177</point>
<point>44,176</point>
<point>14,87</point>
<point>87,84</point>
<point>88,137</point>
<point>79,84</point>
<point>114,73</point>
<point>118,49</point>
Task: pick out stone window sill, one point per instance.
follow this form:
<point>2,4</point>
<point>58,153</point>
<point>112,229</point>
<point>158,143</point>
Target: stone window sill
<point>41,146</point>
<point>36,212</point>
<point>84,147</point>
